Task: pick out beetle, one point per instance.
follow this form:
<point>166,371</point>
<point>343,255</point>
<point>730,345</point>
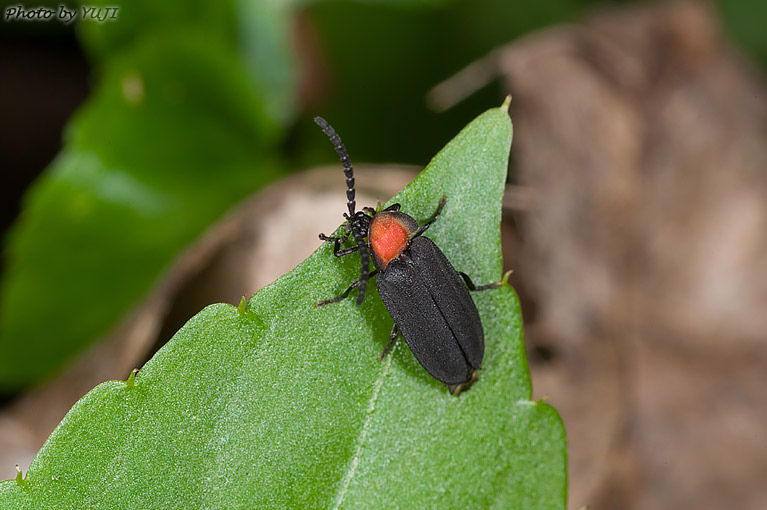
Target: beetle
<point>427,298</point>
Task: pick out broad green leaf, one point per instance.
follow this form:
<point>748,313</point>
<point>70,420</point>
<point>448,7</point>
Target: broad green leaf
<point>284,405</point>
<point>743,21</point>
<point>259,32</point>
<point>171,138</point>
<point>266,31</point>
<point>126,23</point>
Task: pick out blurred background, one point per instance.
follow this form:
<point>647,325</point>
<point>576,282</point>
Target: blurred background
<point>158,157</point>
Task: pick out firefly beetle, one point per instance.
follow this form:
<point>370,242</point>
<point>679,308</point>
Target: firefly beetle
<point>423,293</point>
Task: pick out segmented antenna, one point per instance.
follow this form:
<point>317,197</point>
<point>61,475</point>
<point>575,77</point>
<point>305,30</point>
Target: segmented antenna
<point>352,218</point>
<point>345,161</point>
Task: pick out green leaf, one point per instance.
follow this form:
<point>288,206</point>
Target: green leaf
<point>266,31</point>
<point>259,32</point>
<point>743,21</point>
<point>284,405</point>
<point>127,23</point>
<point>172,137</point>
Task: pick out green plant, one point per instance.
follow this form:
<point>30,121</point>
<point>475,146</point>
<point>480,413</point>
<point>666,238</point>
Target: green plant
<point>279,404</point>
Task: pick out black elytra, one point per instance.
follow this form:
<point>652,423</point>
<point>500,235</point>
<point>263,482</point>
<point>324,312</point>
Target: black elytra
<point>427,298</point>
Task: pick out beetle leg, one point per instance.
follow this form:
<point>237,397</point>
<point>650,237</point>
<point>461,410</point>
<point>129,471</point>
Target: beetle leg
<point>493,285</point>
<point>345,251</point>
<point>343,296</point>
<point>373,212</point>
<point>456,389</point>
<point>394,333</point>
<point>433,218</point>
<point>337,241</point>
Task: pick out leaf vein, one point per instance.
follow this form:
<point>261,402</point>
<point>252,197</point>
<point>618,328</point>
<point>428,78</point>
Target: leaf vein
<point>352,471</point>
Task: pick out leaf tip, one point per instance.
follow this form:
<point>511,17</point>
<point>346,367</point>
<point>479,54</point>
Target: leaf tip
<point>506,103</point>
<point>505,279</point>
<point>19,476</point>
<point>131,381</point>
<point>243,305</point>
